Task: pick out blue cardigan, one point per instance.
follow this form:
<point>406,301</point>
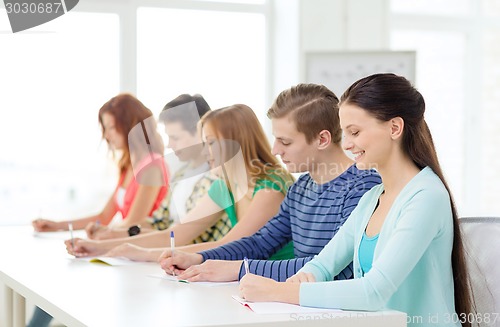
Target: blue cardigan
<point>411,269</point>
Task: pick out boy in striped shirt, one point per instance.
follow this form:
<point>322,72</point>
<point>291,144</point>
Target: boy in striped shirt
<point>308,139</point>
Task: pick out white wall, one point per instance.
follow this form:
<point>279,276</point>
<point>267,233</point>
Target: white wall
<point>334,25</point>
<point>301,26</point>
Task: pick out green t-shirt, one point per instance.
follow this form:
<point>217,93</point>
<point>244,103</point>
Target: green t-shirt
<point>223,197</point>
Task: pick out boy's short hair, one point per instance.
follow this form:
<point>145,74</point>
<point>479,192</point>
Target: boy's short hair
<point>184,115</point>
<point>312,108</point>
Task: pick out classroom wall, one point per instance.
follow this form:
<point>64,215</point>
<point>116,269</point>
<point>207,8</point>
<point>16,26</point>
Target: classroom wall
<point>348,25</point>
<point>301,26</point>
<point>344,27</point>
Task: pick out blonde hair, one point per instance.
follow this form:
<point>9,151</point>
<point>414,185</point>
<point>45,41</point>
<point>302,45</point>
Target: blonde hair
<point>239,123</point>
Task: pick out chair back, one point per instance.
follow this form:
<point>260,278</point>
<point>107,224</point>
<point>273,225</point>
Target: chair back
<point>481,237</point>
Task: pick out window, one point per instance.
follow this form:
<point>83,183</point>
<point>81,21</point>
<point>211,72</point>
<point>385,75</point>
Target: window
<point>440,58</point>
<point>458,71</point>
<point>491,8</point>
<point>490,95</point>
<point>53,162</point>
<point>55,78</point>
<point>220,55</point>
<point>431,7</point>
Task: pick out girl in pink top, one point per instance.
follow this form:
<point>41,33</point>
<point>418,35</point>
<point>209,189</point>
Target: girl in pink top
<point>129,128</point>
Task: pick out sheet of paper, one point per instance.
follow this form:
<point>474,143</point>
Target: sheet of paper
<point>174,279</point>
<point>278,307</point>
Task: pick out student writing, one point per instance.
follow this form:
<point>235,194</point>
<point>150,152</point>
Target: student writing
<point>307,138</point>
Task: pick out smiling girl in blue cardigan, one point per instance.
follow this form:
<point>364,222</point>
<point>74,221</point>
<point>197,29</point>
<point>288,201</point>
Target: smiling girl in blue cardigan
<point>403,236</point>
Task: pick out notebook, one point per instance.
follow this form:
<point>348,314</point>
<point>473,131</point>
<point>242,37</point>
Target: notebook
<point>279,307</point>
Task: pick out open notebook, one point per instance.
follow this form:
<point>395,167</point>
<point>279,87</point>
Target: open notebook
<point>279,307</point>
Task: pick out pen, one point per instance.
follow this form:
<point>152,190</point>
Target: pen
<point>70,228</point>
<point>245,261</point>
<point>96,226</point>
<point>172,246</point>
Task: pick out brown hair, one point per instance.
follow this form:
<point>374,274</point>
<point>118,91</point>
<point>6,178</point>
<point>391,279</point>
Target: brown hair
<point>239,123</point>
<point>385,96</point>
<point>312,107</point>
<point>128,112</point>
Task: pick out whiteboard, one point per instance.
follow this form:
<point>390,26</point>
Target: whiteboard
<point>338,70</point>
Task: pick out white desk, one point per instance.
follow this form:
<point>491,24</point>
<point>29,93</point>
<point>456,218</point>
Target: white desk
<point>79,293</point>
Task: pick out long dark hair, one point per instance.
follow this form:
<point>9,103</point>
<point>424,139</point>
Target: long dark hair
<point>385,96</point>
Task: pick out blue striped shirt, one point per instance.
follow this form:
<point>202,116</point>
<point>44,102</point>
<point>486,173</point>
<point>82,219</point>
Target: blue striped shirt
<point>310,215</point>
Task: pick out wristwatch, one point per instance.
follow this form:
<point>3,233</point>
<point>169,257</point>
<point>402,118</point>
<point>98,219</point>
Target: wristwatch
<point>134,230</point>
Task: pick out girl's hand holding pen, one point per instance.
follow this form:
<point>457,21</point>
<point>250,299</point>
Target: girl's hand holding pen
<point>261,289</point>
